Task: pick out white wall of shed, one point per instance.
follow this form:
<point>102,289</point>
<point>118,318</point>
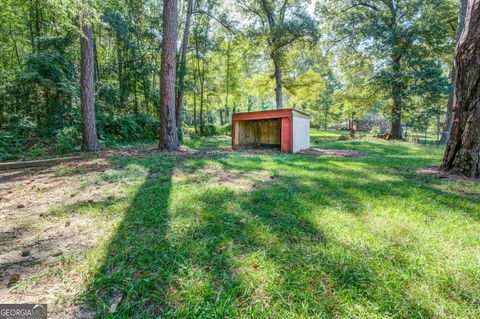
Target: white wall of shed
<point>301,133</point>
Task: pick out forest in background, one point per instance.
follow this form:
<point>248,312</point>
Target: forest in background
<point>339,61</point>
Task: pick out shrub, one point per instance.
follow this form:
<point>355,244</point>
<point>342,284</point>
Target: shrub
<point>68,139</point>
<point>122,128</point>
<point>10,146</point>
<point>208,130</point>
<point>20,125</point>
<point>375,132</point>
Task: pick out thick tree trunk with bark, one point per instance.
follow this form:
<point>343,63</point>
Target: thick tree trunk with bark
<point>462,155</point>
<point>278,82</point>
<point>397,103</point>
<point>87,93</point>
<point>183,64</point>
<point>448,115</point>
<point>396,120</point>
<point>396,87</point>
<point>168,126</point>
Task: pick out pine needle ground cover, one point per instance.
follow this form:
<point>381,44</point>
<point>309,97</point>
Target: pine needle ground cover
<point>244,235</point>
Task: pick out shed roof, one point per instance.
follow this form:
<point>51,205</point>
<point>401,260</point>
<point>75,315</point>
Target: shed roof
<point>268,114</point>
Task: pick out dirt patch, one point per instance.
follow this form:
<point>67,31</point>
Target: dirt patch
<point>441,174</point>
<point>146,153</point>
<point>36,248</point>
<point>319,152</point>
<point>219,176</point>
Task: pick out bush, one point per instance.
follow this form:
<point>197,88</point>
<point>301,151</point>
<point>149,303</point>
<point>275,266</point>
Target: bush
<point>123,128</point>
<point>10,146</point>
<point>375,132</point>
<point>208,130</point>
<point>68,139</point>
<point>19,125</point>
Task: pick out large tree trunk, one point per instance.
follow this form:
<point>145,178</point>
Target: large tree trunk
<point>462,155</point>
<point>87,95</point>
<point>168,126</point>
<point>448,115</point>
<point>396,120</point>
<point>397,101</point>
<point>278,82</point>
<point>183,64</point>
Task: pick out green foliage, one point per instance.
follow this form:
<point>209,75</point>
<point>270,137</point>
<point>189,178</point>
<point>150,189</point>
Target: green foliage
<point>68,140</point>
<point>123,128</point>
<point>346,68</point>
<point>19,124</point>
<point>208,130</point>
<point>405,44</point>
<point>375,132</point>
<point>10,146</point>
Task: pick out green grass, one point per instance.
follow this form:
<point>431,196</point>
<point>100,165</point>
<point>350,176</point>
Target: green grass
<point>318,135</point>
<point>286,236</point>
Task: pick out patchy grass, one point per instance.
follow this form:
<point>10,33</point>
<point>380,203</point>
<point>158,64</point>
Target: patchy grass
<point>204,143</point>
<point>274,236</point>
<point>319,135</point>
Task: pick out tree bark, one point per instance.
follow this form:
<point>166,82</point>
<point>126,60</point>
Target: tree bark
<point>87,94</point>
<point>121,84</point>
<point>396,120</point>
<point>397,103</point>
<point>168,126</point>
<point>448,115</point>
<point>325,117</point>
<point>396,87</point>
<point>202,95</point>
<point>183,64</point>
<point>195,101</point>
<point>227,80</point>
<point>462,155</point>
<point>278,82</point>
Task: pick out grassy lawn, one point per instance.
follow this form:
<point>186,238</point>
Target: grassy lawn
<point>318,135</point>
<point>243,235</point>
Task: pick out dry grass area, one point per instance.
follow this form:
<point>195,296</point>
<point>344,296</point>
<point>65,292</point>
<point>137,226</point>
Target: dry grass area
<point>320,152</point>
<point>34,246</point>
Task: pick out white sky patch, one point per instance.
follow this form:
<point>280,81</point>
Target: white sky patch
<point>311,8</point>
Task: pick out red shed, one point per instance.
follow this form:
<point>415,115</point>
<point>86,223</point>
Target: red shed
<point>287,129</point>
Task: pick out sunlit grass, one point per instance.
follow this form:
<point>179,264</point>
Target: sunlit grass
<point>302,237</point>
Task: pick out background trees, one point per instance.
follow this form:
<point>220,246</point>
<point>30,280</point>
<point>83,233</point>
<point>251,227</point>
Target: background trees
<point>279,24</point>
<point>333,59</point>
<point>406,40</point>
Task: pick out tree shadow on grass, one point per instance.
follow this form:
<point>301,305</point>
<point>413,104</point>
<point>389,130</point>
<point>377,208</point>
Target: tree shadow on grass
<point>201,250</point>
<point>166,258</point>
